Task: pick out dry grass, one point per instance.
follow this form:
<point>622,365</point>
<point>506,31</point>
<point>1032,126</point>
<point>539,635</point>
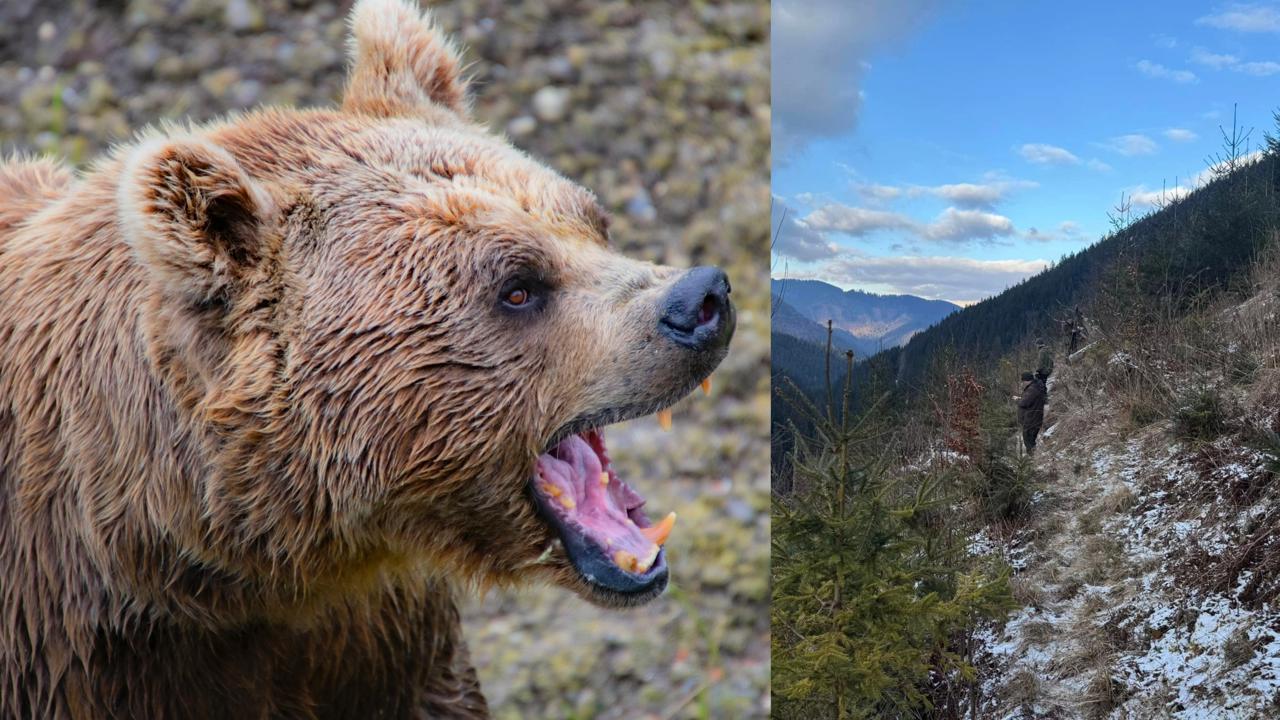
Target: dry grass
<point>1089,522</point>
<point>1022,690</point>
<point>1103,694</point>
<point>1039,632</point>
<point>1027,591</point>
<point>1238,648</point>
<point>1093,603</point>
<point>1069,588</point>
<point>1118,501</point>
<point>1103,559</point>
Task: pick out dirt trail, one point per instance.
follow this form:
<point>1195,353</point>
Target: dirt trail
<point>1114,623</point>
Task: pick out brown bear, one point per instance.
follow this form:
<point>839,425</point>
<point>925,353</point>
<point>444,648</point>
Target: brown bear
<point>274,388</point>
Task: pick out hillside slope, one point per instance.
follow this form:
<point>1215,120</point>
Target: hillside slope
<point>1149,569</point>
<point>789,321</point>
<point>1192,244</point>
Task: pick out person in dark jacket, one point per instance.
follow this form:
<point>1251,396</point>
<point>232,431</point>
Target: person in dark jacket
<point>1031,409</point>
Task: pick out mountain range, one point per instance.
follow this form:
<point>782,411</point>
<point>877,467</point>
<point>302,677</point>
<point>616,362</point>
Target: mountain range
<point>863,322</point>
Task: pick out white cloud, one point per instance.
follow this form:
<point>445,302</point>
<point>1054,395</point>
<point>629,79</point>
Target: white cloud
<point>1204,176</point>
<point>1257,68</point>
<point>1067,230</point>
<point>1200,56</point>
<point>817,91</point>
<point>959,226</point>
<point>1156,70</point>
<point>1134,144</point>
<point>970,194</point>
<point>1096,164</point>
<point>959,279</point>
<point>794,239</point>
<point>1263,68</point>
<point>808,199</point>
<point>952,225</point>
<point>1167,42</point>
<point>1180,135</point>
<point>855,221</point>
<point>1042,154</point>
<point>879,193</point>
<point>1143,197</point>
<point>993,190</point>
<point>1245,17</point>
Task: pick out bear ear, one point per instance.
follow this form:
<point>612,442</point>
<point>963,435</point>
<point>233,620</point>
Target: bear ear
<point>401,65</point>
<point>194,218</point>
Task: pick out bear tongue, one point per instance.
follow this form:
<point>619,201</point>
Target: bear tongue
<point>577,481</point>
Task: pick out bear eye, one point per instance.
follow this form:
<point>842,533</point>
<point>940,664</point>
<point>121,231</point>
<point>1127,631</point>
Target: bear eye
<point>516,297</point>
<point>522,294</point>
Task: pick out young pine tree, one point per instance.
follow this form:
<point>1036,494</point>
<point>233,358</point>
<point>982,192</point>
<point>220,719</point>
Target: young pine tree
<point>871,585</point>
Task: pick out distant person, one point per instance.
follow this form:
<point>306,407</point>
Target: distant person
<point>1075,326</point>
<point>1044,365</point>
<point>1031,409</point>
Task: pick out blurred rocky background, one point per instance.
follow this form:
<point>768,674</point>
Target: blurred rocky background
<point>663,109</point>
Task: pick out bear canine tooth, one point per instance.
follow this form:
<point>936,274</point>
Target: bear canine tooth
<point>706,385</point>
<point>659,533</point>
<point>604,478</point>
<point>664,419</point>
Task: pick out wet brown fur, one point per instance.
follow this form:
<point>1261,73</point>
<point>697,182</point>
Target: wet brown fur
<point>261,412</point>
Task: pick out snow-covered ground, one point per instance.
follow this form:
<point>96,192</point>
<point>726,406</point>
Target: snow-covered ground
<point>1135,603</point>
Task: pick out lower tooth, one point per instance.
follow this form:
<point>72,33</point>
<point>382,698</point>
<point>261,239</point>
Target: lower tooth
<point>644,564</point>
<point>626,560</point>
<point>664,419</point>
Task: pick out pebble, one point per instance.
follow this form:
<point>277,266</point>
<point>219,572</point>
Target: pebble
<point>521,126</point>
<point>560,68</point>
<point>218,83</point>
<point>640,207</point>
<point>242,15</point>
<point>550,104</point>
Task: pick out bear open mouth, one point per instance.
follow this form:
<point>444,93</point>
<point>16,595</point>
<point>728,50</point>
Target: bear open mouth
<point>600,520</point>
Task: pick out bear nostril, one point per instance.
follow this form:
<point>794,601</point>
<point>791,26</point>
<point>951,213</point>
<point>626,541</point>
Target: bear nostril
<point>696,312</point>
<point>709,311</point>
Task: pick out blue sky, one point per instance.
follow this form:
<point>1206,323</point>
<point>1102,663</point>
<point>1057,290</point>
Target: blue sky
<point>949,149</point>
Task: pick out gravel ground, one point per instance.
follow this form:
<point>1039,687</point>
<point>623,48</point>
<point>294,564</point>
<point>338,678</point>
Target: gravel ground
<point>663,109</point>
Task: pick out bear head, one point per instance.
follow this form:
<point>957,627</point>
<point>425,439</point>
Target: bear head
<point>396,339</point>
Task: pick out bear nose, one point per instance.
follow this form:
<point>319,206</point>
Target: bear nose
<point>696,312</point>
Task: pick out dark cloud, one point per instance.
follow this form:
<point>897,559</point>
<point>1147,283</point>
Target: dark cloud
<point>821,50</point>
<point>796,240</point>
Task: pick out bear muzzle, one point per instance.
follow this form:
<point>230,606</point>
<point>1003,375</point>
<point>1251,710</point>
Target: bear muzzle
<point>697,313</point>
